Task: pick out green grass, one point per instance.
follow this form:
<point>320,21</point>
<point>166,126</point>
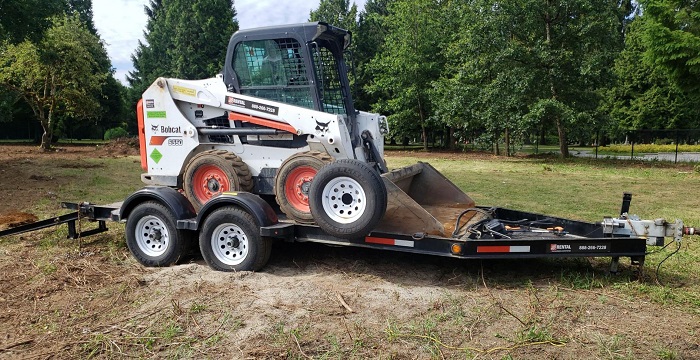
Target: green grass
<point>576,188</point>
<point>588,190</point>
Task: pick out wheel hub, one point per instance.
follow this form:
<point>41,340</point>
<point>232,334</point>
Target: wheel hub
<point>212,185</point>
<point>229,244</point>
<point>297,186</point>
<point>151,236</point>
<point>302,188</point>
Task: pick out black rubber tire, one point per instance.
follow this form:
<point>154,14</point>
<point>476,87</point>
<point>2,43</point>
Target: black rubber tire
<point>178,240</point>
<point>258,248</point>
<point>375,195</point>
<point>314,159</point>
<point>230,164</point>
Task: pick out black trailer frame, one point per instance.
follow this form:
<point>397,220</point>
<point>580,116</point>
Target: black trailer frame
<point>581,239</point>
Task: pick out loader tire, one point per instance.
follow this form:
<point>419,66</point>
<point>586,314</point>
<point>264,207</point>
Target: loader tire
<point>213,172</point>
<point>152,237</point>
<point>348,198</point>
<point>293,181</point>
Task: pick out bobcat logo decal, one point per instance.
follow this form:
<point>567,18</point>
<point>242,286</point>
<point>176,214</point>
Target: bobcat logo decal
<point>322,127</point>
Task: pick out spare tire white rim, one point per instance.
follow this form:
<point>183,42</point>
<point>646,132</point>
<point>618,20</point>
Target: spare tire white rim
<point>344,200</point>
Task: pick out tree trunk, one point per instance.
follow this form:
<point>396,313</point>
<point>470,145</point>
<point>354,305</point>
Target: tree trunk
<point>563,142</point>
<point>453,141</point>
<point>561,131</point>
<point>46,125</point>
<point>496,150</point>
<point>422,124</point>
<point>507,139</point>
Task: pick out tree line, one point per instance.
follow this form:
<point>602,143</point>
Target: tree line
<point>490,73</point>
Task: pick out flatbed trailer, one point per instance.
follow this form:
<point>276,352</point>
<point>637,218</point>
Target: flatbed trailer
<point>249,234</point>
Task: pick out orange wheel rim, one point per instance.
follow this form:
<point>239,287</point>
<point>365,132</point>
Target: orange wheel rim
<point>209,181</point>
<point>296,187</point>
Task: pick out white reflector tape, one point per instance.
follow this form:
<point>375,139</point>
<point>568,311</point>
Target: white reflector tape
<point>520,249</point>
<point>406,243</point>
<point>386,241</point>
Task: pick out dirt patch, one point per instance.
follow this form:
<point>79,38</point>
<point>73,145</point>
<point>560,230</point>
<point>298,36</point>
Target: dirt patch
<point>313,301</point>
<point>90,299</point>
<point>28,175</point>
<point>16,219</point>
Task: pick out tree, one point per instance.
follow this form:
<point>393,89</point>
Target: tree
<point>368,40</point>
<point>184,39</point>
<point>535,61</point>
<point>338,13</point>
<point>57,75</point>
<point>408,63</point>
<point>672,39</point>
<point>644,96</point>
<point>27,19</point>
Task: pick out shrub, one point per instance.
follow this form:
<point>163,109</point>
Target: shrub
<point>115,133</point>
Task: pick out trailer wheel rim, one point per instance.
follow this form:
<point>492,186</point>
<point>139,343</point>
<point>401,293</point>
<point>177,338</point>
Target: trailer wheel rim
<point>208,181</point>
<point>230,244</point>
<point>344,200</point>
<point>296,187</point>
<point>152,236</point>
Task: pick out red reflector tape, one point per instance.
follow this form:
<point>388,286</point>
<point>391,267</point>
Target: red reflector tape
<point>386,241</point>
<point>502,249</point>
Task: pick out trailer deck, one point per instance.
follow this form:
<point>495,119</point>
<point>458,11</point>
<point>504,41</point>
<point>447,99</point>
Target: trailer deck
<point>528,235</point>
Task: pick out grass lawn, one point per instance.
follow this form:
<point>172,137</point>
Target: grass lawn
<point>95,301</point>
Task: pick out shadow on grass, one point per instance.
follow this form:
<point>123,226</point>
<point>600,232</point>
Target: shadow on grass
<point>424,270</point>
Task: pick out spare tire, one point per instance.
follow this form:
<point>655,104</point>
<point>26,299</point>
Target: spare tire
<point>347,198</point>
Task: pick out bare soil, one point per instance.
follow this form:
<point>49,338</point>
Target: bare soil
<point>89,299</point>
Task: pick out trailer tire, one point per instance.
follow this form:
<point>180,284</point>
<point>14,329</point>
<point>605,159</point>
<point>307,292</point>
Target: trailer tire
<point>348,198</point>
<point>212,172</point>
<point>152,236</point>
<point>230,241</point>
<point>293,181</point>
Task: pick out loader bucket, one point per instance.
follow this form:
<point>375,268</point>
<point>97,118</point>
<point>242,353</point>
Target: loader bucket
<point>421,200</point>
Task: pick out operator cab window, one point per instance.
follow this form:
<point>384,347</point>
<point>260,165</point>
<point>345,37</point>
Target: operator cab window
<point>273,70</point>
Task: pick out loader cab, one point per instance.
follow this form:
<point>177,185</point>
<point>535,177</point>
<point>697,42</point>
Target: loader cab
<point>300,65</point>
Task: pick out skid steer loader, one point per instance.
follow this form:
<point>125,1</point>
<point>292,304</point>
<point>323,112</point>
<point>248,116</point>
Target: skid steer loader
<point>280,115</point>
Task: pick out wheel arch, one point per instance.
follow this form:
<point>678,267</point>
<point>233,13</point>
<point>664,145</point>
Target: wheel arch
<point>261,211</point>
<point>169,197</point>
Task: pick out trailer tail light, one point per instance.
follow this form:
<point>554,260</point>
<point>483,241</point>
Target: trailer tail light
<point>142,135</point>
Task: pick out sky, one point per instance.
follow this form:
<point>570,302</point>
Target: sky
<point>121,22</point>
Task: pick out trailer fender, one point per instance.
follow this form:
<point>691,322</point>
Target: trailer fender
<point>169,197</point>
<point>261,211</point>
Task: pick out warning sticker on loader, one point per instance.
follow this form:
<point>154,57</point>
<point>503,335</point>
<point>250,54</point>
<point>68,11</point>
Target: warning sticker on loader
<point>230,100</point>
<point>156,155</point>
<point>183,90</point>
